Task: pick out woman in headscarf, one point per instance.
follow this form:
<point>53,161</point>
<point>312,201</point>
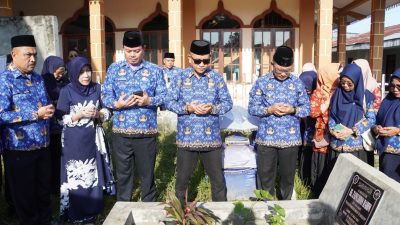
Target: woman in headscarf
<point>53,74</point>
<point>327,81</point>
<point>388,130</point>
<point>308,67</point>
<point>85,165</point>
<point>309,78</point>
<point>371,85</point>
<point>370,82</point>
<point>351,113</point>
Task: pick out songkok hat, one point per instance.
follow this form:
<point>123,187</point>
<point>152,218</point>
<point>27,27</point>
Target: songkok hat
<point>132,39</point>
<point>200,47</point>
<point>23,40</point>
<point>283,56</point>
<point>169,55</point>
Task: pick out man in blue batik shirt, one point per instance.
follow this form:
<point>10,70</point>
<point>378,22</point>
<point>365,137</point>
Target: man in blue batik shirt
<point>280,100</point>
<point>24,112</point>
<point>169,70</point>
<point>133,89</point>
<point>199,96</point>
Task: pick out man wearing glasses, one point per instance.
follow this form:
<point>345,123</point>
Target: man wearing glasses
<point>280,100</point>
<point>199,96</point>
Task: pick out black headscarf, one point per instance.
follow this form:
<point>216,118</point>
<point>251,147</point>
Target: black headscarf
<point>75,67</point>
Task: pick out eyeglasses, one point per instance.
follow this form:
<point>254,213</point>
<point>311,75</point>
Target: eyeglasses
<point>394,86</point>
<point>72,56</point>
<point>198,61</point>
<point>348,83</point>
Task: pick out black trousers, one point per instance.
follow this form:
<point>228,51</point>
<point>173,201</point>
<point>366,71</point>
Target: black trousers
<point>55,151</point>
<point>128,153</point>
<point>272,161</point>
<point>6,190</point>
<point>319,172</point>
<point>187,163</point>
<point>28,177</point>
<point>305,164</point>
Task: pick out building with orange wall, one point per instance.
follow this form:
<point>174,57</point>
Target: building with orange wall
<point>243,33</point>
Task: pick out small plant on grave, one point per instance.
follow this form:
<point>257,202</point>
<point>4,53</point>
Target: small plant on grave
<point>245,215</point>
<point>189,214</point>
<point>277,213</point>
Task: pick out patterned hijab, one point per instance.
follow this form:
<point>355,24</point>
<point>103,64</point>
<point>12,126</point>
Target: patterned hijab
<point>74,71</point>
<point>388,114</point>
<point>347,107</point>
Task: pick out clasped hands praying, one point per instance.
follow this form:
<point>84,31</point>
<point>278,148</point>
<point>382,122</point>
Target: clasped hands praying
<point>280,109</point>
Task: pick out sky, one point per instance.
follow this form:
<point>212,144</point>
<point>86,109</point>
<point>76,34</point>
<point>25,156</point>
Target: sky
<point>392,17</point>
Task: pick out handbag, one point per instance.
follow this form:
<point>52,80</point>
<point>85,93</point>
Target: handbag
<point>368,140</point>
<point>321,143</point>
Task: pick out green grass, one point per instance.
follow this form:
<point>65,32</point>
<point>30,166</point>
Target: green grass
<point>199,186</point>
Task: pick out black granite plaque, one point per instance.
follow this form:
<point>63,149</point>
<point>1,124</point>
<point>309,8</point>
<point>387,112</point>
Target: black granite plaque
<point>359,201</point>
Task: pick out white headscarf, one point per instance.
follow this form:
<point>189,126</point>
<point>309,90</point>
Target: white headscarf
<point>308,67</point>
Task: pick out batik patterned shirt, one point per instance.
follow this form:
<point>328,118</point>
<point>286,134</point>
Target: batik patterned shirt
<point>170,74</point>
<point>122,78</point>
<point>278,131</point>
<point>199,132</point>
<point>394,144</point>
<point>355,142</point>
<point>21,96</point>
<point>322,118</point>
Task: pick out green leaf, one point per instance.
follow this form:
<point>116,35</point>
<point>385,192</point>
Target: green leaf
<point>239,206</point>
<point>266,194</point>
<point>191,219</point>
<point>258,194</point>
<point>199,219</point>
<point>177,205</point>
<point>280,210</point>
<point>208,217</point>
<point>263,194</point>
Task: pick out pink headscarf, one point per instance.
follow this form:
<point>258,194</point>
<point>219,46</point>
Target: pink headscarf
<point>370,82</point>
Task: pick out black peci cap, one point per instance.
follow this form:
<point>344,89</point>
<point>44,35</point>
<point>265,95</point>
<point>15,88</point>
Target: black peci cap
<point>283,56</point>
<point>200,47</point>
<point>169,55</point>
<point>23,41</point>
<point>132,39</point>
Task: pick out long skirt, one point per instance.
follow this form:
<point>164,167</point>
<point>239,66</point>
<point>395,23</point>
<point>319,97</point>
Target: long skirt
<point>389,164</point>
<point>319,172</point>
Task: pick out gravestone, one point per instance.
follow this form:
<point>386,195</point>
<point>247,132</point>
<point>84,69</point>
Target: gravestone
<point>357,193</point>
